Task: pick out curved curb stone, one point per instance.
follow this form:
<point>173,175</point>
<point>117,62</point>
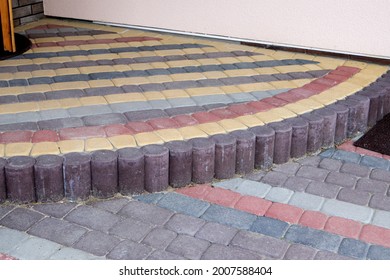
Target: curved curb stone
<point>300,132</point>
<point>180,163</point>
<point>282,149</point>
<point>203,160</point>
<point>225,156</point>
<point>156,168</point>
<point>3,193</point>
<point>341,122</point>
<point>77,176</point>
<point>245,156</point>
<point>104,170</point>
<point>131,171</point>
<point>265,140</point>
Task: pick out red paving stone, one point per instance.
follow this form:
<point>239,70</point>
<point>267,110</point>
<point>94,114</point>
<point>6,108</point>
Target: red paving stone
<point>284,212</point>
<point>253,205</point>
<point>376,235</point>
<point>139,127</point>
<point>222,197</point>
<point>348,69</point>
<point>242,109</point>
<point>205,117</point>
<point>368,152</point>
<point>327,81</point>
<point>304,93</point>
<point>196,191</point>
<point>82,132</point>
<point>224,113</point>
<point>344,227</point>
<point>313,219</point>
<point>45,136</point>
<point>163,123</point>
<point>4,257</point>
<point>290,97</point>
<point>16,136</point>
<point>261,106</point>
<point>347,146</point>
<point>274,101</point>
<point>185,120</point>
<point>116,129</point>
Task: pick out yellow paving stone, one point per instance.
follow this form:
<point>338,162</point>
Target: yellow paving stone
<point>159,79</point>
<point>187,76</point>
<point>43,73</point>
<point>265,51</point>
<point>96,69</point>
<point>193,51</point>
<point>372,66</point>
<point>67,103</point>
<point>80,58</point>
<point>118,45</point>
<point>323,98</point>
<point>169,52</point>
<point>15,62</point>
<point>232,125</point>
<point>266,71</point>
<point>49,105</point>
<point>19,107</point>
<point>204,91</point>
<point>190,132</point>
<point>147,138</point>
<point>168,135</point>
<point>100,83</point>
<point>230,89</point>
<point>2,149</point>
<point>283,84</point>
<point>267,117</point>
<point>18,149</point>
<point>130,81</point>
<point>67,71</point>
<point>44,148</point>
<point>70,85</point>
<point>21,75</point>
<point>329,60</point>
<point>354,63</point>
<point>175,93</point>
<point>48,49</point>
<point>109,56</point>
<point>122,141</point>
<point>245,59</point>
<point>6,76</point>
<point>283,113</point>
<point>38,88</point>
<point>363,82</point>
<point>70,146</point>
<point>249,120</point>
<point>60,59</point>
<point>301,82</point>
<point>126,97</point>
<point>377,71</point>
<point>312,67</point>
<point>261,57</point>
<point>183,63</point>
<point>152,43</point>
<point>128,55</point>
<point>214,75</point>
<point>290,68</point>
<point>208,61</point>
<point>297,108</point>
<point>71,48</point>
<point>153,95</point>
<point>211,128</point>
<point>304,56</point>
<point>228,60</point>
<point>283,55</point>
<point>312,104</point>
<point>99,143</point>
<point>162,65</point>
<point>240,72</point>
<point>141,66</point>
<point>12,90</point>
<point>93,47</point>
<point>92,100</point>
<point>121,68</point>
<point>347,88</point>
<point>76,38</point>
<point>256,87</point>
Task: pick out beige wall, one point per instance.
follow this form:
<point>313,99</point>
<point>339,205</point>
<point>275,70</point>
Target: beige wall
<point>353,26</point>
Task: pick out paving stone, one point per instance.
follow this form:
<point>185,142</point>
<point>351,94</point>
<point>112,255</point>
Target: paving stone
<point>152,198</point>
<point>326,255</point>
<point>164,255</point>
<point>289,168</point>
<point>264,245</point>
<point>57,124</point>
<point>255,176</point>
<point>131,229</point>
<point>275,179</point>
<point>130,250</point>
<point>330,164</point>
<point>341,179</point>
<point>353,248</point>
<point>5,210</point>
<point>243,97</point>
<point>89,110</point>
<point>188,247</point>
<point>312,173</point>
<point>381,175</point>
<point>306,201</point>
<point>182,102</point>
<point>159,238</point>
<point>183,110</point>
<point>280,195</point>
<point>231,184</point>
<point>35,249</point>
<point>299,252</point>
<point>104,119</point>
<point>59,231</point>
<point>372,186</point>
<point>111,205</point>
<point>146,213</point>
<point>66,253</point>
<point>21,219</point>
<point>323,189</point>
<point>328,153</point>
<point>378,253</point>
<point>253,188</point>
<point>314,238</point>
<point>229,217</point>
<point>62,94</point>
<point>53,114</point>
<point>212,99</point>
<point>9,238</point>
<point>382,219</point>
<point>355,169</point>
<point>354,196</point>
<point>160,104</point>
<point>380,202</point>
<point>216,233</point>
<point>183,204</point>
<point>221,252</point>
<point>346,156</point>
<point>313,161</point>
<point>57,210</point>
<point>375,162</point>
<point>124,107</point>
<point>184,224</point>
<point>269,226</point>
<point>347,210</point>
<point>296,183</point>
<point>93,218</point>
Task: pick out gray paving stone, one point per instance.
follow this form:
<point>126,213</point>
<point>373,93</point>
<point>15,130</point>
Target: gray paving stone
<point>346,156</point>
<point>97,243</point>
<point>57,124</point>
<point>182,102</point>
<point>375,162</point>
<point>104,119</point>
<point>328,153</point>
<point>354,196</point>
<point>261,94</point>
<point>353,248</point>
<point>275,179</point>
<point>131,229</point>
<point>188,247</point>
<point>21,219</point>
<point>380,202</point>
<point>93,218</point>
<point>296,183</point>
<point>341,179</point>
<point>164,255</point>
<point>381,218</point>
<point>159,238</point>
<point>57,210</point>
<point>313,173</point>
<point>310,161</point>
<point>279,195</point>
<point>323,189</point>
<point>9,238</point>
<point>228,216</point>
<point>264,245</point>
<point>222,252</point>
<point>355,169</point>
<point>330,164</point>
<point>5,210</point>
<point>270,227</point>
<point>27,117</point>
<point>151,198</point>
<point>160,104</point>
<point>59,231</point>
<point>314,238</point>
<point>255,176</point>
<point>231,184</point>
<point>66,253</point>
<point>306,201</point>
<point>130,250</point>
<point>242,97</point>
<point>146,213</point>
<point>372,186</point>
<point>299,252</point>
<point>347,210</point>
<point>89,110</point>
<point>35,248</point>
<point>183,204</point>
<point>326,255</point>
<point>254,188</point>
<point>53,114</point>
<point>130,106</point>
<point>111,205</point>
<point>289,168</point>
<point>184,224</point>
<point>381,175</point>
<point>216,233</point>
<point>378,253</point>
<point>212,99</point>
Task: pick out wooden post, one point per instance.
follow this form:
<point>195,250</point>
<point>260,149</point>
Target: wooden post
<point>7,25</point>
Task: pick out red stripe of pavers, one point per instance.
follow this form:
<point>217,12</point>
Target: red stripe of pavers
<point>117,129</point>
<point>4,257</point>
<point>288,213</point>
<point>349,147</point>
<point>45,136</point>
<point>193,119</point>
<point>16,136</point>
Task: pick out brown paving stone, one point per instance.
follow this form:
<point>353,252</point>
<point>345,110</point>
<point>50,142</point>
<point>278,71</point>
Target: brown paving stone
<point>15,136</point>
<point>45,136</point>
<point>81,132</point>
